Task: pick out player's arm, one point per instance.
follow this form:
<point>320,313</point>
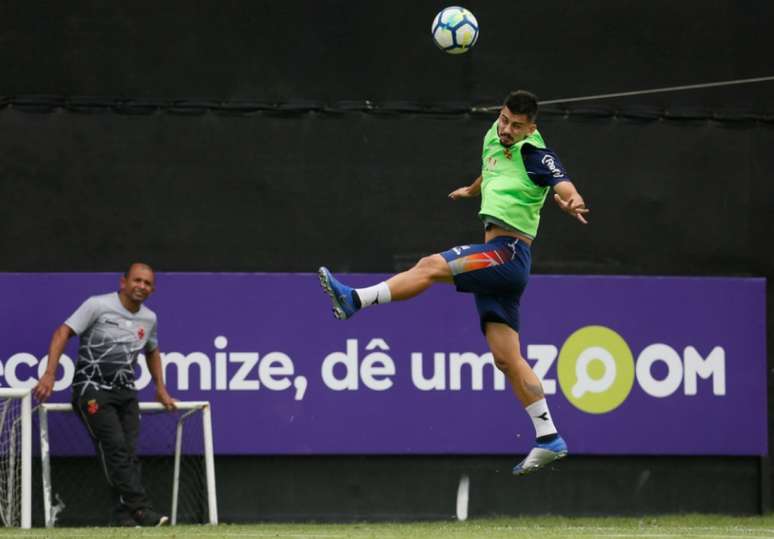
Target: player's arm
<point>570,201</point>
<point>157,373</point>
<point>472,190</point>
<point>544,168</point>
<point>45,385</point>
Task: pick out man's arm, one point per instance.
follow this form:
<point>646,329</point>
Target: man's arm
<point>154,366</point>
<point>570,201</point>
<point>472,190</point>
<point>45,385</point>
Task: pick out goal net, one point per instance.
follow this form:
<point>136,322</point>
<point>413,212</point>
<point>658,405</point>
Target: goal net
<point>176,458</point>
<point>15,458</point>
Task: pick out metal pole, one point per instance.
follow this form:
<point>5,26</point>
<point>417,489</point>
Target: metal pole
<point>45,466</point>
<point>209,463</point>
<point>176,475</point>
<point>26,471</point>
<point>178,458</point>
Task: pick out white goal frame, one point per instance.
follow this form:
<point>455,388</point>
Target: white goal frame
<point>189,408</point>
<point>26,450</point>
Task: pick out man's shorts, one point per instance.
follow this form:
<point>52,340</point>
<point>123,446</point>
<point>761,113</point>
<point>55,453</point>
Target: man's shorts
<point>496,273</point>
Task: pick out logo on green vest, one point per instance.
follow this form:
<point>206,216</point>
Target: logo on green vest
<point>596,369</point>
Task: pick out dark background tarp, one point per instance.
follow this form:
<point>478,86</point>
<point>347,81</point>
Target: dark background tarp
<point>345,49</point>
<point>367,192</point>
<point>277,136</point>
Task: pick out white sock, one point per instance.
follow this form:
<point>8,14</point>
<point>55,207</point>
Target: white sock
<point>541,418</point>
<point>372,295</point>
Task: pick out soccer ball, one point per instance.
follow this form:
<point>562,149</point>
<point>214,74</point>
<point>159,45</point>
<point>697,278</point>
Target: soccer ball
<point>455,30</point>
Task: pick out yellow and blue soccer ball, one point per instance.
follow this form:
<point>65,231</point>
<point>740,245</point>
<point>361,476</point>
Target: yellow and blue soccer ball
<point>455,30</point>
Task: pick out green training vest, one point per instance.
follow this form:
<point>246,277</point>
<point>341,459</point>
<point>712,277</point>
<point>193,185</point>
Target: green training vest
<point>507,193</point>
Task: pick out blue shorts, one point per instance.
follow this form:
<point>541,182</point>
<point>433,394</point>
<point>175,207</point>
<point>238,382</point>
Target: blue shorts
<point>496,273</point>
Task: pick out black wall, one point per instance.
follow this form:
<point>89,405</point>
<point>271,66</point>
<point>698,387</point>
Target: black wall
<point>276,136</point>
<point>367,192</point>
<point>423,487</point>
<point>335,50</point>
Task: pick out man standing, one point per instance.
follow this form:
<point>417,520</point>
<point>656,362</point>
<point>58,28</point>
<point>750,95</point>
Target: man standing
<point>518,170</point>
<point>113,329</point>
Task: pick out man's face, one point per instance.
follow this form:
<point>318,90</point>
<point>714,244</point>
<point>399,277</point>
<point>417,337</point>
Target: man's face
<point>512,128</point>
<point>139,284</point>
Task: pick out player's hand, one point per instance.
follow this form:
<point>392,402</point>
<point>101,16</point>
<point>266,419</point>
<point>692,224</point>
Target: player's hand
<point>462,192</point>
<point>44,388</point>
<point>163,397</point>
<point>573,206</point>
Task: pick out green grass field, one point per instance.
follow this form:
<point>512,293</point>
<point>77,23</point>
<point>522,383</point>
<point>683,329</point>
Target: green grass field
<point>691,526</point>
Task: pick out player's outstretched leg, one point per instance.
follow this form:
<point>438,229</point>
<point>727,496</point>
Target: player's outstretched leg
<point>342,296</point>
<point>347,300</point>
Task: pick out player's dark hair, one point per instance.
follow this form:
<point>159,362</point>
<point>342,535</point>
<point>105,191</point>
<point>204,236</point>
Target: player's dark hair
<point>522,102</point>
<point>133,264</point>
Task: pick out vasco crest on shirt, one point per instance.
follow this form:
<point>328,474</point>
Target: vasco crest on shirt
<point>92,407</point>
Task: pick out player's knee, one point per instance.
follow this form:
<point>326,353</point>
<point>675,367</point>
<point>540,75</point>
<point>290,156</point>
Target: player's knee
<point>502,364</point>
<point>433,266</point>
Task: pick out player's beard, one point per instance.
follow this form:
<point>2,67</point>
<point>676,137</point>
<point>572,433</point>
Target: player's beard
<point>502,141</point>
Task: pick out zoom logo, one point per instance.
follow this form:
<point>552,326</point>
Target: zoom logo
<point>597,369</point>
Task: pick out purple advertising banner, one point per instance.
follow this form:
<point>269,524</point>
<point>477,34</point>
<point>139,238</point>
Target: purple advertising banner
<point>629,365</point>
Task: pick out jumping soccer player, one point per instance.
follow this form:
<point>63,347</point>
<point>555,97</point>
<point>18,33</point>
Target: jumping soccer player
<point>518,170</point>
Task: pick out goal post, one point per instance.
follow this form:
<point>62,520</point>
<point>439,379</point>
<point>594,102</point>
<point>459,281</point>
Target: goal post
<point>185,412</point>
<point>16,457</point>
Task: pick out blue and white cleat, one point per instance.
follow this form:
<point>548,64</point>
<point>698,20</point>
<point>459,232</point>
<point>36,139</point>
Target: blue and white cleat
<point>341,295</point>
<point>541,455</point>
